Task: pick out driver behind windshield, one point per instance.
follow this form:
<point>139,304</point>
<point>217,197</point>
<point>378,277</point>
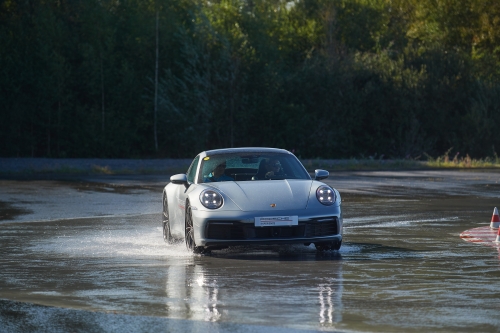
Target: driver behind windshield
<point>274,169</point>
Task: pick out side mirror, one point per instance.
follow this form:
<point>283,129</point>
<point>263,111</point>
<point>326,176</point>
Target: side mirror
<point>179,179</point>
<point>320,174</point>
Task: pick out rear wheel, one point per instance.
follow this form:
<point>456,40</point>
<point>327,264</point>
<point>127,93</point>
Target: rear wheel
<point>189,233</point>
<point>167,235</point>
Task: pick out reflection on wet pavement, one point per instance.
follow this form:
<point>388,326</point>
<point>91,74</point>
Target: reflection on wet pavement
<point>43,200</point>
<point>402,266</point>
<point>9,212</point>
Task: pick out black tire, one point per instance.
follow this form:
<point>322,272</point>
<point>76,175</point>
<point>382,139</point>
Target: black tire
<point>327,246</point>
<point>189,233</point>
<point>323,246</point>
<point>167,235</point>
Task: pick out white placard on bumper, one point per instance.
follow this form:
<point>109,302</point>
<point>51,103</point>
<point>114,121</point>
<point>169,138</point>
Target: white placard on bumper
<point>276,221</point>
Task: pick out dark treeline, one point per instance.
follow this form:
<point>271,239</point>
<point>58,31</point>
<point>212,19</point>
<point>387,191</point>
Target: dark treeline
<point>324,78</point>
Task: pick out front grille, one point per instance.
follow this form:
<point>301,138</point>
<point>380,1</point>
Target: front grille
<point>321,227</point>
<point>225,230</point>
<point>236,230</point>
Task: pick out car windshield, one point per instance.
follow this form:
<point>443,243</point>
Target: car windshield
<point>250,167</point>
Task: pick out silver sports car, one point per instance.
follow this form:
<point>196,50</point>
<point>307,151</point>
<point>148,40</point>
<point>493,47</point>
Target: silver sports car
<point>244,196</point>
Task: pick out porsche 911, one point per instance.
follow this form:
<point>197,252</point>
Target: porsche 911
<point>250,196</point>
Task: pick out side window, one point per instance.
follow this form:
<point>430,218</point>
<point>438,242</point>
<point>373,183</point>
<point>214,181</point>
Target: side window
<point>192,170</point>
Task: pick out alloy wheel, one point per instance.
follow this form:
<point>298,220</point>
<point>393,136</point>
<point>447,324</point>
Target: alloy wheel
<point>189,233</point>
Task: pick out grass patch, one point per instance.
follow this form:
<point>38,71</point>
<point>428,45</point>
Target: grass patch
<point>102,170</point>
<point>465,162</point>
<point>364,164</point>
<point>441,162</point>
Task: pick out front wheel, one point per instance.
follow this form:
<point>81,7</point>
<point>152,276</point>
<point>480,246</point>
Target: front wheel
<point>189,233</point>
<point>326,246</point>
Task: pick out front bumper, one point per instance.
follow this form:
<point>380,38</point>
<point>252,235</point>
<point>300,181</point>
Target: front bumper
<point>227,228</point>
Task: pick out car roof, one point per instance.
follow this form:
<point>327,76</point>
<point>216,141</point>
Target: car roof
<point>245,150</point>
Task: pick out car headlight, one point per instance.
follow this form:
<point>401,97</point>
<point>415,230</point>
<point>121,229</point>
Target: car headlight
<point>325,195</point>
<point>211,199</point>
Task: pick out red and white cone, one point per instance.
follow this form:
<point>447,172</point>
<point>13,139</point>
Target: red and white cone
<point>495,220</point>
<point>498,236</point>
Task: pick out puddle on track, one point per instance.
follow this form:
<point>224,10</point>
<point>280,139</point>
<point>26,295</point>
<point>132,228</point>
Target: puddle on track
<point>402,267</point>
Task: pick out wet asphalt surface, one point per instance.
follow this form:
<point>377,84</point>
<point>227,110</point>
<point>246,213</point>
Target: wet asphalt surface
<point>86,254</point>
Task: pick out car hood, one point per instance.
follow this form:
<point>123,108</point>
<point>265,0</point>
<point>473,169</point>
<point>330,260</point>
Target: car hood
<point>261,195</point>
